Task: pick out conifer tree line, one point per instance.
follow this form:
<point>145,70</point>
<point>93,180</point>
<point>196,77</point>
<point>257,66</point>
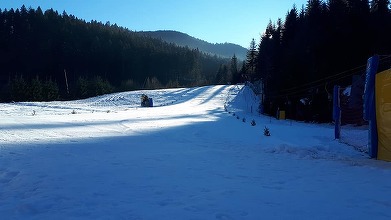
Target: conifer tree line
<point>50,56</point>
<point>305,55</point>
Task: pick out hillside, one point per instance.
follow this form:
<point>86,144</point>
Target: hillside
<point>51,56</point>
<point>181,39</point>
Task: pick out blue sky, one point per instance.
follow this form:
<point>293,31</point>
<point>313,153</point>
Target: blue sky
<point>216,21</point>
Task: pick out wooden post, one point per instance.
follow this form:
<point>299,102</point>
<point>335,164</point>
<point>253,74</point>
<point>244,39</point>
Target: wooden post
<point>66,81</point>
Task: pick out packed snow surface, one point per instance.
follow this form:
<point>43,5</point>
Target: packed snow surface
<point>195,155</point>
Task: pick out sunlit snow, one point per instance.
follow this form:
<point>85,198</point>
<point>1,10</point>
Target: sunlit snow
<point>189,157</point>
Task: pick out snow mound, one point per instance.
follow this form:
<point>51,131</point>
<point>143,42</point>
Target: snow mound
<point>242,100</point>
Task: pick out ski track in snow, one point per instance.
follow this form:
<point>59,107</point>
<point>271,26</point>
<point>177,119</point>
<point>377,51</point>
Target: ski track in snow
<point>190,157</point>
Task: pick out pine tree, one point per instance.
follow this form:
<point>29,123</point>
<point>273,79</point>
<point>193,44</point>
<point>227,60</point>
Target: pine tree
<point>381,26</point>
<point>222,76</point>
<point>36,90</point>
<point>19,89</point>
<point>290,27</point>
<point>251,60</point>
<point>82,89</point>
<point>50,91</point>
<point>358,7</point>
<point>380,6</point>
<point>313,8</point>
<point>234,70</point>
<point>243,72</point>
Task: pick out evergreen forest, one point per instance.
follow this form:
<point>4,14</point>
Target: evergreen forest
<point>322,44</point>
<point>48,56</point>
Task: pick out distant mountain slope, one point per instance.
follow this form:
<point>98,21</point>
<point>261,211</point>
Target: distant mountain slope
<point>182,39</point>
<point>75,59</point>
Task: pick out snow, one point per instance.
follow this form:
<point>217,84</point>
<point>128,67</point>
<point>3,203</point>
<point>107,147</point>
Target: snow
<point>188,158</point>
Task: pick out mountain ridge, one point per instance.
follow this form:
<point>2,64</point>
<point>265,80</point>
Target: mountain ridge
<point>226,50</point>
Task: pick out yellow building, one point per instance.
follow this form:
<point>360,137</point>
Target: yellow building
<point>383,114</point>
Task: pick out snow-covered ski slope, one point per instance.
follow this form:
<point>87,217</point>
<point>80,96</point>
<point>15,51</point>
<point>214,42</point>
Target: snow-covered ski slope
<point>190,157</point>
